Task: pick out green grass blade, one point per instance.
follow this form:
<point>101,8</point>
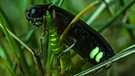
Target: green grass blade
<point>4,62</point>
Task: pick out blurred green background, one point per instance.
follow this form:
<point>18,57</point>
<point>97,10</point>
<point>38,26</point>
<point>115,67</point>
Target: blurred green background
<point>117,29</point>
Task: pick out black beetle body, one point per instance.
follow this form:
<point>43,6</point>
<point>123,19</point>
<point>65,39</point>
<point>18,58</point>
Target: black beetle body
<point>90,44</point>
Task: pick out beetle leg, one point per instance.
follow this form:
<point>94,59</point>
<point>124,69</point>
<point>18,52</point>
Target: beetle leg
<point>70,47</point>
<point>45,32</point>
<point>54,15</point>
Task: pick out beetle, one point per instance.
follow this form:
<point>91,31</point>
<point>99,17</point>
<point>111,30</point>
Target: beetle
<point>89,44</point>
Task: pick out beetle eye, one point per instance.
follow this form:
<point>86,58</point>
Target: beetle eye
<point>35,12</point>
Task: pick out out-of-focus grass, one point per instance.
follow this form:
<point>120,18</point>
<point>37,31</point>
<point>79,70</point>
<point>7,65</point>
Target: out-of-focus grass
<point>119,34</point>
